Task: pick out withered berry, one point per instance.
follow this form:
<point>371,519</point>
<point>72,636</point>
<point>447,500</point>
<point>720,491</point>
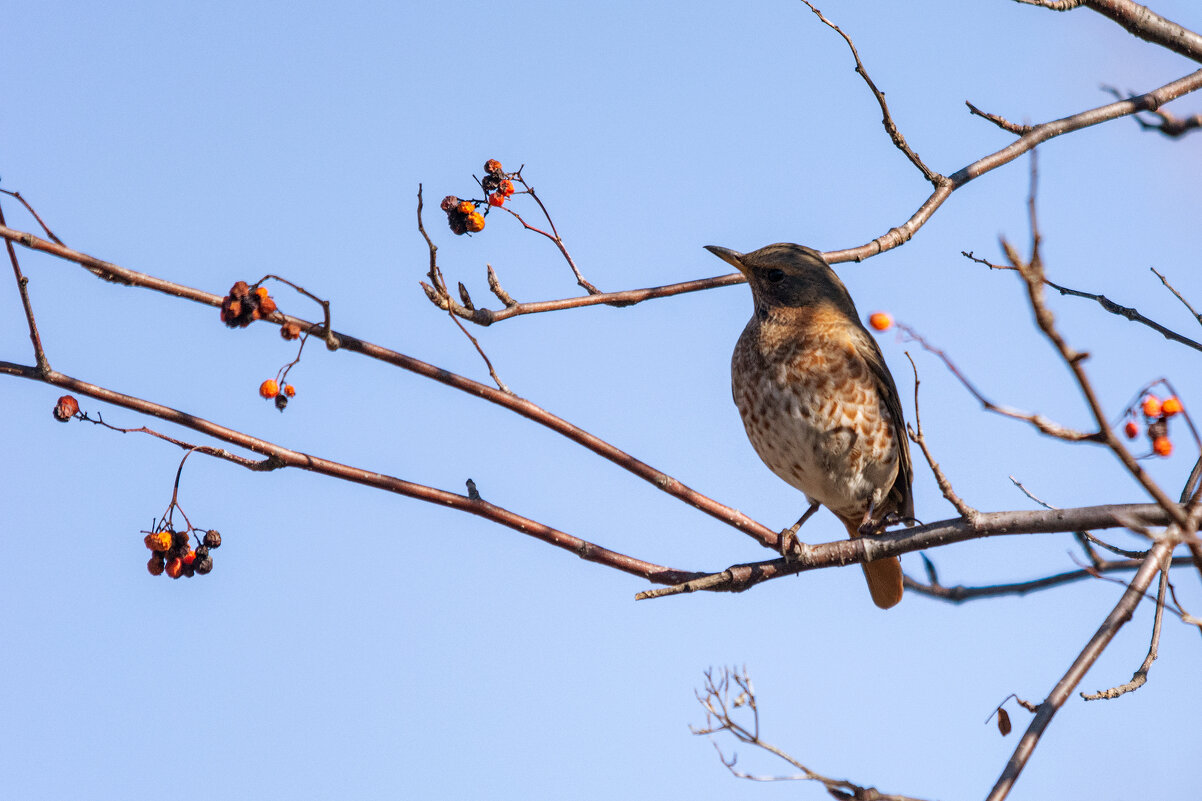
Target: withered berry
<point>66,408</point>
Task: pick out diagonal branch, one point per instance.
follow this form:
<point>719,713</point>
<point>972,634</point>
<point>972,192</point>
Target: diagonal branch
<point>280,456</point>
<point>1089,654</point>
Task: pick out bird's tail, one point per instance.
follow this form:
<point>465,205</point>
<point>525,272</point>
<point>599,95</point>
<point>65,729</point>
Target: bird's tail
<point>884,576</point>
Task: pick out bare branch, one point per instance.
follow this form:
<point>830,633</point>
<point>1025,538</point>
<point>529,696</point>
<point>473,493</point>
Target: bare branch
<point>738,578</point>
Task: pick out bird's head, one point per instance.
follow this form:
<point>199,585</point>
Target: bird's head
<point>787,275</point>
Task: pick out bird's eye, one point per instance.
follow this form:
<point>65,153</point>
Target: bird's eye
<point>774,275</point>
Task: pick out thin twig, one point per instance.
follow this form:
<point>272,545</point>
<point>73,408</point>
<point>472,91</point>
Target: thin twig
<point>916,435</point>
<point>1141,674</point>
<point>958,594</point>
<point>1177,294</point>
<point>1132,314</point>
<point>891,128</point>
<point>1041,423</point>
<point>35,338</point>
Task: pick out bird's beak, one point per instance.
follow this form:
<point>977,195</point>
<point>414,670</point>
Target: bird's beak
<point>731,257</point>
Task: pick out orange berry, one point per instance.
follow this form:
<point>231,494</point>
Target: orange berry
<point>289,390</point>
<point>266,306</point>
<point>159,541</point>
<point>175,567</point>
<point>269,388</point>
<point>1171,406</point>
<point>475,222</point>
<point>506,187</point>
<point>492,166</point>
<point>1162,446</point>
<point>188,558</point>
<point>262,292</point>
<point>1151,406</point>
<point>466,207</point>
<point>496,199</point>
<point>1131,429</point>
<point>881,321</point>
<point>290,330</point>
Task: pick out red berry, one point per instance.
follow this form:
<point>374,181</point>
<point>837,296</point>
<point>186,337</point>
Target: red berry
<point>1131,429</point>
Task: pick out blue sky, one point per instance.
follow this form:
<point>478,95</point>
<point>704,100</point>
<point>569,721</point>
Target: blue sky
<point>353,644</point>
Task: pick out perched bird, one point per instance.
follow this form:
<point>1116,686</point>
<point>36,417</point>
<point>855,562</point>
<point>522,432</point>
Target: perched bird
<point>817,399</point>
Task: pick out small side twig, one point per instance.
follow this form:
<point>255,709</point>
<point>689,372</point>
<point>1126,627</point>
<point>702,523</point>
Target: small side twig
<point>35,338</point>
<point>891,128</point>
<point>1001,122</point>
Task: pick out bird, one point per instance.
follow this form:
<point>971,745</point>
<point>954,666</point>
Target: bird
<point>818,402</point>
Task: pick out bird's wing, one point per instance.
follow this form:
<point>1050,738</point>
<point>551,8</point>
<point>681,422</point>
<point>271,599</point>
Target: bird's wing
<point>902,485</point>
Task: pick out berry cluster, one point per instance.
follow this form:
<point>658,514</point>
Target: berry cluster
<point>1156,414</point>
<point>462,215</point>
<point>271,389</point>
<point>496,183</point>
<point>174,555</point>
<point>245,304</point>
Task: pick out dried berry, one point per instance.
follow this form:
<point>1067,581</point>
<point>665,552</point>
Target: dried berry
<point>66,408</point>
<point>465,207</point>
<point>506,187</point>
<point>1171,406</point>
<point>212,538</point>
<point>266,306</point>
<point>281,402</point>
<point>475,222</point>
<point>180,540</point>
<point>269,388</point>
<point>175,568</point>
<point>203,564</point>
<point>492,166</point>
<point>881,321</point>
<point>289,390</point>
<point>290,330</point>
<point>449,202</point>
<point>156,564</point>
<point>490,182</point>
